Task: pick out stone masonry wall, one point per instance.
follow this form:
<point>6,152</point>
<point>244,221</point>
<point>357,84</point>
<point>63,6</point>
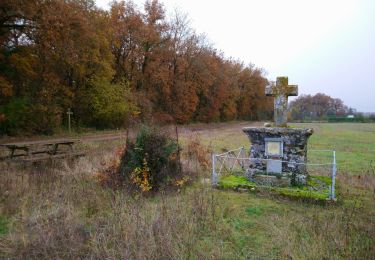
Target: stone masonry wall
<point>294,147</point>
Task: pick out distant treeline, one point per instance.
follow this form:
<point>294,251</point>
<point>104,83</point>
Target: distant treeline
<point>320,107</point>
<point>358,119</point>
<point>111,67</point>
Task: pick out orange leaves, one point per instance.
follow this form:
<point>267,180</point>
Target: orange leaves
<point>119,151</point>
<point>195,150</point>
<point>174,71</point>
<point>109,175</point>
<point>107,64</point>
<point>6,89</point>
<point>141,177</point>
<point>24,63</point>
<point>182,182</point>
<point>101,177</point>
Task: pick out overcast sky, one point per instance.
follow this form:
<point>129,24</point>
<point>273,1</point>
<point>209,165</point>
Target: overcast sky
<point>322,45</point>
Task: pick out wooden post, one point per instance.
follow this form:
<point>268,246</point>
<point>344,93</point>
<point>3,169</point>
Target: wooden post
<point>69,113</point>
<point>214,173</point>
<point>127,139</point>
<point>178,151</point>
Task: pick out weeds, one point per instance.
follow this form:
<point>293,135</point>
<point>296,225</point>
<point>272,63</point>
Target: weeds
<point>340,233</point>
<point>61,210</point>
<point>74,217</point>
<point>150,162</point>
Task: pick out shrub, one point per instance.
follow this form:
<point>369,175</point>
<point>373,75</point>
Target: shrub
<point>14,116</point>
<point>151,161</point>
<point>106,105</point>
<point>25,115</point>
<point>44,118</point>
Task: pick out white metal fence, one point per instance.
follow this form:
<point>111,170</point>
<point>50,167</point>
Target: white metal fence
<point>238,160</point>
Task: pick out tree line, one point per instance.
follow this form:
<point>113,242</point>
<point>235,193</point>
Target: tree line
<point>318,107</point>
<point>113,67</point>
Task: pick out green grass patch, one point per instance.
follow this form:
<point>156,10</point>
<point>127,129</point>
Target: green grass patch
<point>232,182</point>
<point>302,193</point>
<point>254,211</point>
<point>317,188</point>
<point>354,145</point>
<point>3,225</point>
<point>314,181</point>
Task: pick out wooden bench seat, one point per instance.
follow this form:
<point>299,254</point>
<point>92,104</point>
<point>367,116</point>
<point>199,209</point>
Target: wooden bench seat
<point>41,150</point>
<point>51,157</point>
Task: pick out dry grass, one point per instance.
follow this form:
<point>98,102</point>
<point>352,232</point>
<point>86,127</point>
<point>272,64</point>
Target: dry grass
<point>64,213</point>
<point>59,210</point>
<point>345,230</point>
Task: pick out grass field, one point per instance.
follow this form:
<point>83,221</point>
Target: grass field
<point>59,210</point>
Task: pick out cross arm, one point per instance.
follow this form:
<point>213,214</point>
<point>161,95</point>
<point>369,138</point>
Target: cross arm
<point>270,89</point>
<point>292,90</point>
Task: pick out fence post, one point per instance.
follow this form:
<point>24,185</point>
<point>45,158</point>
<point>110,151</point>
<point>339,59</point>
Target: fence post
<point>214,174</point>
<point>243,155</point>
<point>334,169</point>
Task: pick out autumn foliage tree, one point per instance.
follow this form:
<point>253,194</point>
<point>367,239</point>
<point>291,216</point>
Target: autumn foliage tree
<point>109,66</point>
<point>317,107</point>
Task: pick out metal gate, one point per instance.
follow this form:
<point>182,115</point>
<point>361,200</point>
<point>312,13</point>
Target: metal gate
<point>236,161</point>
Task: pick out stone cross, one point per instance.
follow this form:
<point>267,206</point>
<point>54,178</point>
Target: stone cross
<point>281,91</point>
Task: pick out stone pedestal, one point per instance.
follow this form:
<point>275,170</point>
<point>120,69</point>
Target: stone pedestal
<point>284,149</point>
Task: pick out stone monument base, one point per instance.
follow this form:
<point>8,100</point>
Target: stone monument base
<point>271,180</point>
<point>278,151</point>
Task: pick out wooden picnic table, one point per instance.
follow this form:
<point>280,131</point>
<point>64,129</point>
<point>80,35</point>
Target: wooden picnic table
<point>48,148</point>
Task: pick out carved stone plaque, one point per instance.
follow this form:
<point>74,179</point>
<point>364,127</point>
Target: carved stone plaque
<point>274,147</point>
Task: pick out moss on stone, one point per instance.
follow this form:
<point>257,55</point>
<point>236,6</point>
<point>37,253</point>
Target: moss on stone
<point>302,193</point>
<point>317,188</point>
<point>313,180</point>
<point>232,182</point>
